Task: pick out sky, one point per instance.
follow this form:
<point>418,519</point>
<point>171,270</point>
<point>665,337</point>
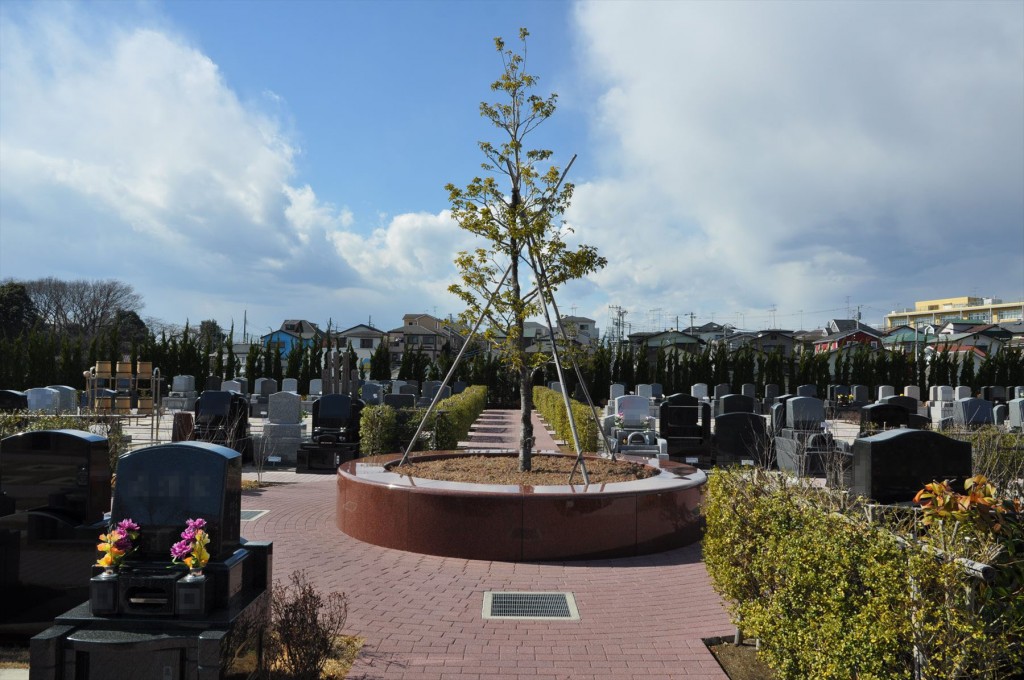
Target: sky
<point>763,164</point>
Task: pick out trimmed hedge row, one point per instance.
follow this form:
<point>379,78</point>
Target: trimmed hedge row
<point>830,595</point>
<point>551,407</point>
<point>383,429</point>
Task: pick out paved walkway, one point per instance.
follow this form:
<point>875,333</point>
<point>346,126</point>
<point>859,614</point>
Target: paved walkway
<point>641,617</point>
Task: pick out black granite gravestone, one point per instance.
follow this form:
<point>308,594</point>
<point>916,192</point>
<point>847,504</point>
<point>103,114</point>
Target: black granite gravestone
<point>223,418</point>
<point>54,491</point>
<point>13,400</point>
<point>734,403</point>
<point>741,437</point>
<point>882,417</point>
<point>402,400</point>
<point>335,439</point>
<point>152,619</point>
<point>994,393</point>
<point>892,466</point>
<point>972,412</point>
<point>685,424</point>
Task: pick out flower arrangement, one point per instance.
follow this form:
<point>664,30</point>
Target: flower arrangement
<point>117,543</point>
<point>191,549</point>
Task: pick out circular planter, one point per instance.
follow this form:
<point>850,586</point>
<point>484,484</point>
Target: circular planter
<point>514,523</point>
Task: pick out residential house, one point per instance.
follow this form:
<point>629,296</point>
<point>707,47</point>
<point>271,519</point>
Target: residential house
<point>965,308</point>
<point>671,341</point>
<point>908,340</point>
<point>767,341</point>
<point>291,333</point>
<point>842,332</point>
<point>423,332</point>
<point>364,340</point>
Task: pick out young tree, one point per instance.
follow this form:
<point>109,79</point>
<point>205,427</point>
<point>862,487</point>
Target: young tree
<point>519,220</point>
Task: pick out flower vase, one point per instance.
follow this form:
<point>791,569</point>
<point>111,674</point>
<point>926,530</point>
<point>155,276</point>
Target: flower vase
<point>195,572</point>
<point>108,572</point>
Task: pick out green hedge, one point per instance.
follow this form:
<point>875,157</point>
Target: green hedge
<point>383,429</point>
<point>830,595</point>
<point>551,407</point>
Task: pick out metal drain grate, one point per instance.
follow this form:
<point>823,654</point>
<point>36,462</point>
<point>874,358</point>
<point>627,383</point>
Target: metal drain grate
<point>250,515</point>
<point>526,605</point>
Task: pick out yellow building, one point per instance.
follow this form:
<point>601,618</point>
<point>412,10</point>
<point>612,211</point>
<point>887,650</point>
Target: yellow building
<point>971,309</point>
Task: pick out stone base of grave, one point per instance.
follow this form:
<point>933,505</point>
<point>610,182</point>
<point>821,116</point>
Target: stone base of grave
<point>283,440</point>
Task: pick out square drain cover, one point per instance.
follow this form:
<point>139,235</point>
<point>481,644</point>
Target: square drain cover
<point>250,515</point>
<point>529,605</point>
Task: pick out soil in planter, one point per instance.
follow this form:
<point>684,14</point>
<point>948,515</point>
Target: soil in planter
<point>547,470</point>
<point>740,662</point>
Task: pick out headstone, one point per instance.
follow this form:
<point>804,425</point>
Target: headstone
<point>316,387</point>
<point>892,466</point>
<point>962,392</point>
<point>722,389</point>
<point>555,386</point>
<point>68,398</point>
<point>183,384</point>
<point>684,422</point>
<point>396,385</point>
<point>885,391</point>
<point>285,407</point>
<point>214,382</point>
<point>644,391</point>
<point>994,393</point>
<point>805,413</point>
<point>970,412</point>
<point>616,391</point>
<point>1000,413</point>
<point>413,383</point>
<point>860,394</point>
<point>771,390</point>
<point>807,391</point>
<point>243,384</point>
<point>740,437</point>
<point>55,489</point>
<point>371,394</point>
<point>409,389</point>
<point>229,386</point>
<point>43,400</point>
<point>13,400</point>
<point>734,403</point>
<point>1018,392</point>
<point>1016,413</point>
<point>778,417</point>
<point>222,417</point>
<point>912,391</point>
<point>749,390</point>
<point>632,411</point>
<point>933,393</point>
<point>657,391</point>
<point>944,393</point>
<point>458,387</point>
<point>290,385</point>
<point>883,416</point>
<point>446,392</point>
<point>430,388</point>
<point>264,387</point>
<point>908,403</point>
<point>699,390</point>
<point>400,400</point>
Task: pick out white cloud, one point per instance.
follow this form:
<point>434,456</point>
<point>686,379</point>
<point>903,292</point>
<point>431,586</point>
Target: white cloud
<point>796,153</point>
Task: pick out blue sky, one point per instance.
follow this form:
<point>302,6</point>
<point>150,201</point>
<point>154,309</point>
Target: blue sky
<point>287,160</point>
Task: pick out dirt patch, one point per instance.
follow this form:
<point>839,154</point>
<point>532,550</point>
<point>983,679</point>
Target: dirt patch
<point>546,470</point>
<point>13,656</point>
<point>740,662</point>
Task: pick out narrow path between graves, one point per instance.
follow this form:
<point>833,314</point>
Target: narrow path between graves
<point>641,617</point>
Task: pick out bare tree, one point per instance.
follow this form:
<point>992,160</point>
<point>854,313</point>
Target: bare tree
<point>81,306</point>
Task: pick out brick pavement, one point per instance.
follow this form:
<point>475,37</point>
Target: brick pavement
<point>641,617</point>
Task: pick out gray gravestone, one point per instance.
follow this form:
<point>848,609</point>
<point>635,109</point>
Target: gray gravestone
<point>999,414</point>
<point>284,407</point>
<point>657,391</point>
<point>885,391</point>
<point>1018,392</point>
<point>616,391</point>
<point>1016,413</point>
<point>556,386</point>
<point>749,390</point>
<point>722,389</point>
<point>371,394</point>
<point>807,391</point>
<point>458,387</point>
<point>805,413</point>
<point>972,411</point>
<point>408,389</point>
<point>290,385</point>
<point>891,467</point>
<point>771,390</point>
<point>68,398</point>
<point>183,384</point>
<point>43,400</point>
<point>264,387</point>
<point>699,390</point>
<point>644,391</point>
<point>316,387</point>
<point>231,386</point>
<point>962,392</point>
<point>912,391</point>
<point>944,393</point>
<point>243,385</point>
<point>860,394</point>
